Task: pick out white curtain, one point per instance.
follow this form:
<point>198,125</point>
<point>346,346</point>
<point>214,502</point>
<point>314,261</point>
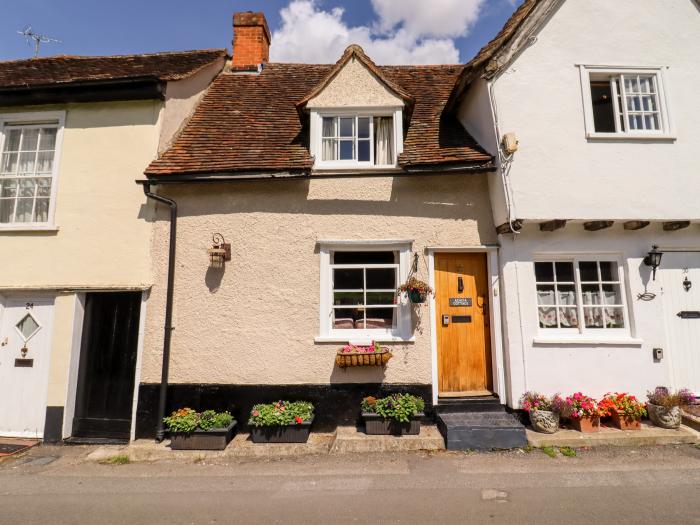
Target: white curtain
<point>383,140</point>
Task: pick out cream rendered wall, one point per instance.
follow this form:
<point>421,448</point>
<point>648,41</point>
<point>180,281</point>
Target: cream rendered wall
<point>255,322</point>
<point>100,241</point>
<point>539,98</point>
<point>354,86</point>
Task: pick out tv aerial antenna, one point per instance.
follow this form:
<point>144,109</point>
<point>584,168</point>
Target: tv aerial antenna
<point>38,39</point>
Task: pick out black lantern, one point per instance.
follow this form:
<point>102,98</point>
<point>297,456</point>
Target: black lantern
<point>653,259</point>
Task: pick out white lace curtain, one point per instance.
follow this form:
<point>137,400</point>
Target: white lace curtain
<point>568,311</point>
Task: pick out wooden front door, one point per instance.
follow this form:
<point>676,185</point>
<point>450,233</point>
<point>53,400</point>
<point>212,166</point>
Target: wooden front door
<point>463,335</point>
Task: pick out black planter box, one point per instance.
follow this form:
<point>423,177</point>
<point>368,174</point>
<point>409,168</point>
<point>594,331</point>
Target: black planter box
<point>377,425</point>
<point>216,439</point>
<point>296,433</point>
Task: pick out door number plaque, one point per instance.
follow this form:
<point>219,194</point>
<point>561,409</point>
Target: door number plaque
<point>460,301</point>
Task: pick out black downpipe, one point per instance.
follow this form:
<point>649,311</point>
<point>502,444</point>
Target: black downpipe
<point>160,429</point>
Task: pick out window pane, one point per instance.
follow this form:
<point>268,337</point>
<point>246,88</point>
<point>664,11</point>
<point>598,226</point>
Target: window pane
<point>544,272</point>
<point>7,208</point>
<point>348,298</point>
<point>48,139</point>
<point>24,210</point>
<point>565,272</point>
<point>347,127</point>
<point>343,320</point>
<point>26,187</point>
<point>611,294</point>
<point>590,294</point>
<point>363,127</point>
<point>329,126</point>
<point>548,317</point>
<point>364,257</point>
<point>8,188</point>
<point>593,317</point>
<point>608,271</point>
<point>381,298</point>
<point>363,150</point>
<point>41,210</point>
<point>9,163</point>
<point>568,317</point>
<point>589,270</point>
<point>545,294</point>
<point>44,187</point>
<point>378,318</point>
<point>603,111</point>
<point>566,295</point>
<point>344,279</point>
<point>635,122</point>
<point>26,162</point>
<point>634,104</point>
<point>381,279</point>
<point>30,139</point>
<point>651,122</point>
<point>44,163</point>
<point>631,85</point>
<point>649,103</point>
<point>614,318</point>
<point>347,148</point>
<point>329,149</point>
<point>13,139</point>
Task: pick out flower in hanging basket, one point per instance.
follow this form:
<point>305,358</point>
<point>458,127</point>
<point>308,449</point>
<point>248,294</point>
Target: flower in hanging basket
<point>416,290</point>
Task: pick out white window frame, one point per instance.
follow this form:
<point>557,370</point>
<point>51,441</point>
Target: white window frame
<point>582,332</point>
<point>316,141</point>
<point>667,131</point>
<point>327,333</point>
<point>33,118</point>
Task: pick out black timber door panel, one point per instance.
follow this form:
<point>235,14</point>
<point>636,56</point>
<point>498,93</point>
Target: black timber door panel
<point>107,365</point>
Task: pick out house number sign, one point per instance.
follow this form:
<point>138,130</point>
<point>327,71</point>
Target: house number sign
<point>460,301</point>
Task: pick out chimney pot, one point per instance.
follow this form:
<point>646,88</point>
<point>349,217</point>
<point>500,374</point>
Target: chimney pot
<point>251,40</point>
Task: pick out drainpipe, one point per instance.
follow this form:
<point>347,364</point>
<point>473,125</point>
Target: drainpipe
<point>160,429</point>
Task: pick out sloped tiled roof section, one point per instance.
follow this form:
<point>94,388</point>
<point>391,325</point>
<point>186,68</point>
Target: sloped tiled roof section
<point>250,123</point>
<point>64,70</point>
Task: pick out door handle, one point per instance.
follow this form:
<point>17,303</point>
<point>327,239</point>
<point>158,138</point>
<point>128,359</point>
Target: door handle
<point>460,284</point>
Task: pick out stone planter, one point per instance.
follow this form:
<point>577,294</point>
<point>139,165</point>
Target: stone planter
<point>664,417</point>
<point>625,423</point>
<point>544,421</point>
<point>586,424</point>
<point>215,439</point>
<point>295,433</point>
<point>377,425</point>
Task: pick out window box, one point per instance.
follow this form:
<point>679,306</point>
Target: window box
<point>215,439</point>
<point>294,433</point>
<point>377,425</point>
<point>626,103</point>
<point>362,356</point>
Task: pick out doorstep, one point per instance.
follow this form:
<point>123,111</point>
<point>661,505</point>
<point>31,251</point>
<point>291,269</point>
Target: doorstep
<point>351,440</point>
<point>609,436</point>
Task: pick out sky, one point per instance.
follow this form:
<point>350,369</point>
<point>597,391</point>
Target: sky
<point>316,31</point>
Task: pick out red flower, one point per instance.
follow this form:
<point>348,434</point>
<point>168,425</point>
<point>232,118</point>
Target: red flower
<point>298,420</point>
<point>256,413</point>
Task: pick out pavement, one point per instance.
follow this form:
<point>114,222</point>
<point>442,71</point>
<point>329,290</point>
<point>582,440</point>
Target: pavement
<point>641,485</point>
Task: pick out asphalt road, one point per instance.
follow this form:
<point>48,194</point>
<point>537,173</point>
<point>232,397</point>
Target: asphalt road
<point>646,485</point>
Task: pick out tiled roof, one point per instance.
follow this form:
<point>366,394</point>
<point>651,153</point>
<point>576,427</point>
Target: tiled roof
<point>249,122</point>
<point>64,70</point>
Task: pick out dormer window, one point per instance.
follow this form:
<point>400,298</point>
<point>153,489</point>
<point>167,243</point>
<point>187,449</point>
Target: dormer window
<point>345,140</point>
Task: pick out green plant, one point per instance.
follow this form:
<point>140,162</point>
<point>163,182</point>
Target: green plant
<point>121,459</point>
<point>528,449</point>
<point>627,406</point>
<point>534,401</point>
<point>401,407</point>
<point>415,285</point>
<point>281,413</point>
<point>663,397</point>
<point>550,451</point>
<point>188,420</point>
<point>568,452</point>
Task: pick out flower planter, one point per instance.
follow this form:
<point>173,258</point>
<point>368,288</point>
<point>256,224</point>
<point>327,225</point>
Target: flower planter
<point>346,359</point>
<point>417,297</point>
<point>296,433</point>
<point>665,417</point>
<point>544,421</point>
<point>215,439</point>
<point>586,424</point>
<point>625,423</point>
<point>378,425</point>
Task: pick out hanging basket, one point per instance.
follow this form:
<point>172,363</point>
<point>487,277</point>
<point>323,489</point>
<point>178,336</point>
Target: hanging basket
<point>417,297</point>
<point>346,359</point>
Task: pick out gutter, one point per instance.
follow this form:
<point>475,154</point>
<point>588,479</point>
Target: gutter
<point>168,328</point>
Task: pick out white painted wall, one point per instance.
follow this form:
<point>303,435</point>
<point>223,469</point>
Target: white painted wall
<point>557,172</point>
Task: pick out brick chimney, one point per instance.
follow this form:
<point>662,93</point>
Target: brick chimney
<point>251,40</point>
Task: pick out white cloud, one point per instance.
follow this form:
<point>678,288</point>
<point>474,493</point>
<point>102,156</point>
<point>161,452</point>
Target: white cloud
<point>406,32</point>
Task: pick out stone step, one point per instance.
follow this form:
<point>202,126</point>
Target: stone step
<point>469,404</point>
<point>481,429</point>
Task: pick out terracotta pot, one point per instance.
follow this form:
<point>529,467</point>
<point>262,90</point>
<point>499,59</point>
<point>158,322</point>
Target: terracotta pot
<point>625,423</point>
<point>664,417</point>
<point>544,421</point>
<point>586,424</point>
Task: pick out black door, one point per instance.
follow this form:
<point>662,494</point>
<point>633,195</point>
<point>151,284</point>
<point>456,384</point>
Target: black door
<point>107,365</point>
